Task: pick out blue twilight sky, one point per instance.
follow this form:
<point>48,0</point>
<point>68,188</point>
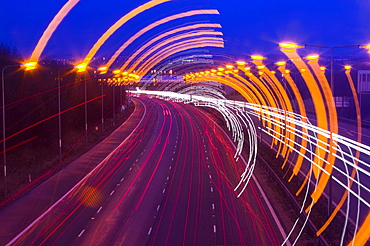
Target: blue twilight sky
<point>249,26</point>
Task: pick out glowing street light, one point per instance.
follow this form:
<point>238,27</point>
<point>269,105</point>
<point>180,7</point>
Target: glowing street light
<point>332,58</point>
<point>348,67</point>
<point>29,65</point>
<point>117,71</point>
<point>258,57</point>
<point>81,67</point>
<point>365,47</point>
<point>241,63</point>
<point>228,66</point>
<point>103,70</point>
<point>280,63</point>
<point>290,46</point>
<point>312,57</point>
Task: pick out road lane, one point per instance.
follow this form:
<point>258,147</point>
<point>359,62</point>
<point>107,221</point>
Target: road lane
<point>171,183</point>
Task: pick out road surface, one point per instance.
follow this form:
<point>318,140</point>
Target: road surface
<point>171,182</point>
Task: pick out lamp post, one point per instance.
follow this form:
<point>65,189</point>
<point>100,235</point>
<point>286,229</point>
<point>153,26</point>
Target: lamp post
<point>59,119</point>
<point>102,70</point>
<point>27,66</point>
<point>82,68</point>
<point>4,136</point>
<point>85,88</point>
<point>116,72</point>
<point>332,59</point>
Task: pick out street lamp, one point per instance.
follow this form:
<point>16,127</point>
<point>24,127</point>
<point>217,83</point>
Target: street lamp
<point>27,66</point>
<point>365,47</point>
<point>59,119</point>
<point>102,70</point>
<point>332,59</point>
<point>82,68</point>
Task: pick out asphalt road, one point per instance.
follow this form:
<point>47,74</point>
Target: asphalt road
<point>171,182</point>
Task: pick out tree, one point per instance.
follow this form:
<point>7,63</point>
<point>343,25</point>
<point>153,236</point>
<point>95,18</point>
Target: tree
<point>8,54</point>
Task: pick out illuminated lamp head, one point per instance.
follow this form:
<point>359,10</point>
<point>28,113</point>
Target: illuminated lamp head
<point>312,57</point>
<point>280,63</point>
<point>258,57</point>
<point>289,47</point>
<point>241,63</point>
<point>29,65</point>
<point>81,67</point>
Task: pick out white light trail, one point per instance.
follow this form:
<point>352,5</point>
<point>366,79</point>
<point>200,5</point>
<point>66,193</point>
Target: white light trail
<point>238,116</point>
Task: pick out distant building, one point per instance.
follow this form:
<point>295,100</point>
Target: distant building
<point>363,81</point>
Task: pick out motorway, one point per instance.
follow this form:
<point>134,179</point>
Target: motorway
<point>170,182</point>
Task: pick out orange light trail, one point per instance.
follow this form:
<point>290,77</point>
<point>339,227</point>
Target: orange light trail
<point>51,28</point>
<point>143,47</point>
<point>171,40</point>
<point>180,46</point>
<point>322,123</point>
<point>155,24</point>
<point>117,25</point>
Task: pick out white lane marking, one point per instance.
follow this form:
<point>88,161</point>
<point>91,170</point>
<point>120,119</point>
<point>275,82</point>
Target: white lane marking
<point>207,158</point>
<point>174,152</point>
<point>99,210</point>
<point>122,179</point>
<point>159,206</point>
<point>210,176</point>
<point>170,167</point>
<point>283,234</point>
<point>211,189</point>
<point>82,232</point>
<point>209,166</point>
<point>168,178</point>
<point>137,160</point>
<point>213,206</point>
<point>172,158</point>
<point>273,214</point>
<point>130,168</point>
<point>111,193</point>
<point>80,182</point>
<point>164,190</point>
<point>214,228</point>
<point>150,230</point>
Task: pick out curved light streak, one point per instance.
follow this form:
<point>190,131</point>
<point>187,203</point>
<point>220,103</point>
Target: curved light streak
<point>180,46</point>
<point>151,26</point>
<point>164,43</point>
<point>146,45</point>
<point>117,25</point>
<point>363,233</point>
<point>51,28</point>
